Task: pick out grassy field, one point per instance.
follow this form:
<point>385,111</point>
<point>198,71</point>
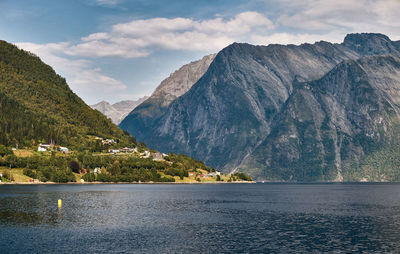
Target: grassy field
<point>17,173</point>
<point>23,153</point>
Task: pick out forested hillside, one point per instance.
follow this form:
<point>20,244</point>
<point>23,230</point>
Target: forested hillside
<point>36,105</point>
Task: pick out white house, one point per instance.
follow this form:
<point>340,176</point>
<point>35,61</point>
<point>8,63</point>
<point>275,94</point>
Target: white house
<point>157,157</point>
<point>43,147</point>
<point>114,150</point>
<point>108,141</point>
<point>97,171</point>
<point>128,150</point>
<point>64,149</point>
<point>145,154</point>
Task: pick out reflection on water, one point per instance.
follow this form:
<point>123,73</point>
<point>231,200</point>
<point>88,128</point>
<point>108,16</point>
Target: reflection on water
<point>200,218</point>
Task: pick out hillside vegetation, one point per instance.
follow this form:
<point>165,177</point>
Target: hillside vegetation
<point>36,105</point>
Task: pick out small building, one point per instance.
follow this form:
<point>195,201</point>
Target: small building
<point>108,141</point>
<point>212,174</point>
<point>114,150</point>
<point>43,147</point>
<point>64,149</point>
<point>145,154</point>
<point>157,157</point>
<point>129,150</point>
<point>97,171</point>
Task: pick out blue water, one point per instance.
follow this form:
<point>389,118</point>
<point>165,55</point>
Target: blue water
<point>224,218</point>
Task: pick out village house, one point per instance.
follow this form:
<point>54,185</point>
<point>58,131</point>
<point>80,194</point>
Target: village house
<point>212,174</point>
<point>97,171</point>
<point>108,141</point>
<point>64,149</point>
<point>157,157</point>
<point>43,147</point>
<point>192,173</point>
<point>145,154</point>
<point>113,150</point>
<point>129,150</point>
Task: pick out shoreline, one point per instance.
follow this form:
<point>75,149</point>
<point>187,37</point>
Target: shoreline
<point>76,183</point>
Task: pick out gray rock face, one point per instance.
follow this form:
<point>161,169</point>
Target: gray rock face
<point>177,84</point>
<point>233,109</point>
<point>327,127</point>
<point>118,111</point>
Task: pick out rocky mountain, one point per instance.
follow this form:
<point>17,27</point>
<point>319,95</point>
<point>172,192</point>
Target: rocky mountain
<point>37,105</point>
<point>232,113</point>
<point>118,111</point>
<point>327,128</point>
<point>178,83</point>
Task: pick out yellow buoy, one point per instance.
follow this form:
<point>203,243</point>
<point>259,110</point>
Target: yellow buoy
<point>59,203</point>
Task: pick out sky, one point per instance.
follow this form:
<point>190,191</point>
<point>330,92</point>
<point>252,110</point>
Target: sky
<point>117,50</point>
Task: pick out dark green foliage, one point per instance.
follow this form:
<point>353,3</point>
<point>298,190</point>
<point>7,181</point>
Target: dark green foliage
<point>36,105</point>
<point>5,150</point>
<point>187,162</point>
<point>74,166</point>
<point>30,173</point>
<point>240,176</point>
<point>89,177</point>
<point>7,175</point>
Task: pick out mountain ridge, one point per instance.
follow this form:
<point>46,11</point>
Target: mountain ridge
<point>228,112</point>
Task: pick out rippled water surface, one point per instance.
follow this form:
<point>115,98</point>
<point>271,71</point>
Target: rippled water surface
<point>272,218</point>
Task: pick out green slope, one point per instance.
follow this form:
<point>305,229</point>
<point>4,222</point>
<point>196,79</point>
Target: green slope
<point>36,105</point>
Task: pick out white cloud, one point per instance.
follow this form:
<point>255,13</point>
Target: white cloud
<point>313,20</point>
<point>108,2</point>
<point>346,15</point>
<point>139,38</point>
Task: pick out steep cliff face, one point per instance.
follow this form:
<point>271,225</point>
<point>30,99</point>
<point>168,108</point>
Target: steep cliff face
<point>178,83</point>
<point>329,124</point>
<point>232,109</point>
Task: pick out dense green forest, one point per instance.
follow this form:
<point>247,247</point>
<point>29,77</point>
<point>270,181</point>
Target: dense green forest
<point>58,168</point>
<point>36,105</point>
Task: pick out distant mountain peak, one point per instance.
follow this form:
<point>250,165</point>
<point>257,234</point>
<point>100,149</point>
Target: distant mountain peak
<point>117,111</point>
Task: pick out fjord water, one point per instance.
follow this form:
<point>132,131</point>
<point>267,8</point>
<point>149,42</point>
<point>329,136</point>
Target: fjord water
<point>200,218</point>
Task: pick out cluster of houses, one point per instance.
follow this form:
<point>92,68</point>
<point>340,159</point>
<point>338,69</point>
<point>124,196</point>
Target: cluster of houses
<point>145,154</point>
<point>202,175</point>
<point>123,150</point>
<point>51,147</point>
